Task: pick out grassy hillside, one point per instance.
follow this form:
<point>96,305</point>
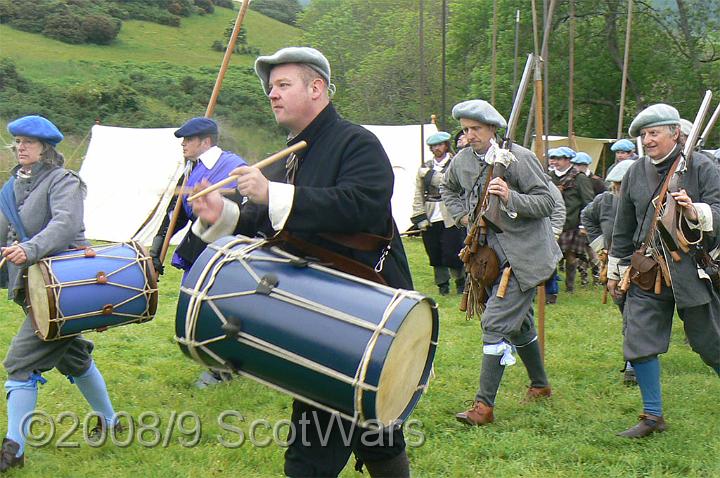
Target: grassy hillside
<point>152,60</point>
<point>142,42</point>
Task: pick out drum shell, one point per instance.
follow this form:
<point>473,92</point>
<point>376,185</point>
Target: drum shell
<point>301,331</point>
<point>88,297</point>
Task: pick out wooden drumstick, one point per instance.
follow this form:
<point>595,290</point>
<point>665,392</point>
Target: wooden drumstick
<point>658,281</point>
<point>504,280</point>
<point>4,259</point>
<point>179,191</point>
<point>261,164</point>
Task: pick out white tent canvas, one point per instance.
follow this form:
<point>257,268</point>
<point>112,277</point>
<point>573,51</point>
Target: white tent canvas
<point>131,175</point>
<point>403,145</point>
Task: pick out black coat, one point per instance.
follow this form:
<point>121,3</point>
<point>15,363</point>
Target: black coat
<point>343,184</point>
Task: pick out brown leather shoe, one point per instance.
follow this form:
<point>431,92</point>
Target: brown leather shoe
<point>536,393</point>
<point>479,414</point>
<point>648,425</point>
<point>7,455</point>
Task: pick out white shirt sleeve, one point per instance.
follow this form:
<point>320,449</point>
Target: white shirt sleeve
<point>225,225</point>
<point>705,219</point>
<point>280,201</point>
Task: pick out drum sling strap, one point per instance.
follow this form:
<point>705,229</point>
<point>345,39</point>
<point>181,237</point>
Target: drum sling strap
<point>359,241</point>
<point>8,206</point>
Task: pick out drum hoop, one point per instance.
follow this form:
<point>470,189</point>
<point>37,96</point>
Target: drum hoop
<point>370,347</point>
<point>150,277</point>
<point>52,309</point>
<point>309,401</point>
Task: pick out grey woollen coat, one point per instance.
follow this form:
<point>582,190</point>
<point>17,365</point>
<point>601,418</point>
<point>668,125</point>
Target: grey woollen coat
<point>527,239</point>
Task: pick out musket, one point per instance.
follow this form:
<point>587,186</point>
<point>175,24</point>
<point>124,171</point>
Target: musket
<point>708,127</point>
<point>491,213</point>
<point>667,224</point>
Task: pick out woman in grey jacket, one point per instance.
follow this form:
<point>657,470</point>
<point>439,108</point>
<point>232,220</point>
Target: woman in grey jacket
<point>41,214</point>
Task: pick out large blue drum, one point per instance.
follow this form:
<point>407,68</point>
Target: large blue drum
<point>91,289</point>
<point>337,342</point>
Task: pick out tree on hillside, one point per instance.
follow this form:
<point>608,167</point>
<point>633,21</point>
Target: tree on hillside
<point>66,27</point>
<point>285,11</point>
<point>100,29</point>
<point>373,52</point>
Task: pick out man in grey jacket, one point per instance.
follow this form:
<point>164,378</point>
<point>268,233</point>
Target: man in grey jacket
<point>442,239</point>
<point>648,312</point>
<point>526,245</point>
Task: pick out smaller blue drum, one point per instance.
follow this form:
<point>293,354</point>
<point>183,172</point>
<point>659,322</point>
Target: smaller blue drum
<point>337,342</point>
<point>91,289</point>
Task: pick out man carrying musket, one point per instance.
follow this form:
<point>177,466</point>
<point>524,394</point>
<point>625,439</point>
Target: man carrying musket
<point>662,274</point>
<point>526,248</point>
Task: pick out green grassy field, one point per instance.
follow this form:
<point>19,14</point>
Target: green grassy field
<point>571,435</point>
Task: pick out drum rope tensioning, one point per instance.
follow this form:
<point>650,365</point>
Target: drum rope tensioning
<point>243,292</point>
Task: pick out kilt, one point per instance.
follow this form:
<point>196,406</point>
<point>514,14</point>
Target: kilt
<point>573,242</point>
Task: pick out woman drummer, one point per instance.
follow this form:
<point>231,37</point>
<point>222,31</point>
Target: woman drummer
<point>41,213</point>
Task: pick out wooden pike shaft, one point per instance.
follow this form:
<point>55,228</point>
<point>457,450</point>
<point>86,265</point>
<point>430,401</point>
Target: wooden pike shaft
<point>226,59</point>
<point>208,113</point>
<point>261,164</point>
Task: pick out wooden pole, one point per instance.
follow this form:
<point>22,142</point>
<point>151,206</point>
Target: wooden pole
<point>493,67</point>
<point>626,61</point>
<point>443,103</point>
<point>208,113</point>
<point>540,153</point>
<point>571,77</point>
<point>546,66</point>
<point>421,52</point>
<point>226,59</point>
<point>531,113</point>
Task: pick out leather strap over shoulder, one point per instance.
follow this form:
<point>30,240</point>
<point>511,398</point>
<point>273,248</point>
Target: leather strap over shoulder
<point>327,258</point>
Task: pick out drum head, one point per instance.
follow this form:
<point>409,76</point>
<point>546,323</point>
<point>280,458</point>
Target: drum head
<point>39,297</point>
<point>405,363</point>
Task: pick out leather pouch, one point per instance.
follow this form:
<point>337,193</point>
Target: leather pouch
<point>643,271</point>
<point>484,266</point>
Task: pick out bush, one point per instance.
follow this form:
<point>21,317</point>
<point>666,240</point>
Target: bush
<point>182,8</point>
<point>7,11</point>
<point>206,6</point>
<point>224,4</point>
<point>65,27</point>
<point>100,29</point>
<point>28,20</point>
<point>285,11</point>
<point>10,79</point>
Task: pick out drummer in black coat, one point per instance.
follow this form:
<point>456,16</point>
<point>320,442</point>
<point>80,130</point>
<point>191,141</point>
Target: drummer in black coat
<point>338,187</point>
